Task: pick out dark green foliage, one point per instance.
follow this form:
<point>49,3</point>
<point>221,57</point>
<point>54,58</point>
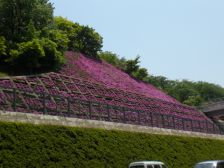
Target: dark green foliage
<point>209,90</point>
<point>160,82</point>
<point>113,59</point>
<point>129,66</point>
<point>27,54</point>
<point>60,38</point>
<point>140,74</point>
<point>36,41</point>
<point>53,58</point>
<point>87,41</point>
<point>132,65</point>
<point>24,145</point>
<point>188,92</point>
<point>35,55</point>
<point>16,15</point>
<point>24,24</point>
<point>2,46</point>
<point>81,38</point>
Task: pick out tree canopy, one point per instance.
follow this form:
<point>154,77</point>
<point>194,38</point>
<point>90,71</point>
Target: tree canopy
<point>32,40</point>
<point>16,16</point>
<point>82,39</point>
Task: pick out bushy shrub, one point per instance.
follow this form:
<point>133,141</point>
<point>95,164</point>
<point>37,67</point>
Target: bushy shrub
<point>36,55</point>
<point>132,65</point>
<point>60,38</point>
<point>25,145</point>
<point>2,46</point>
<point>140,74</point>
<point>27,56</point>
<point>113,59</point>
<point>53,58</point>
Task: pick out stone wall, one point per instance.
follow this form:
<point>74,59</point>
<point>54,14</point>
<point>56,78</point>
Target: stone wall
<point>75,122</point>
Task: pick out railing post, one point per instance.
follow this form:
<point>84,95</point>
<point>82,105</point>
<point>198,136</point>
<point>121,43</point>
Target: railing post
<point>183,123</point>
<point>213,127</point>
<point>206,125</point>
<point>139,121</point>
<point>14,99</point>
<point>163,120</point>
<point>79,113</point>
<point>100,112</point>
<point>200,126</point>
<point>173,123</point>
<point>44,103</point>
<point>90,110</point>
<point>191,121</point>
<point>69,106</point>
<point>108,112</point>
<point>151,116</point>
<point>123,109</point>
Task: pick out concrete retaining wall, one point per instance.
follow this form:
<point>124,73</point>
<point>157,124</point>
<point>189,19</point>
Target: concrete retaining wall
<point>75,122</point>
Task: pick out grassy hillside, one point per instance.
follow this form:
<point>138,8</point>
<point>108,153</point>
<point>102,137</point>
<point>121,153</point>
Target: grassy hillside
<point>24,145</point>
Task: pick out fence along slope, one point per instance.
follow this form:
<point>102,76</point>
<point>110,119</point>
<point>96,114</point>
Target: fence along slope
<point>56,94</point>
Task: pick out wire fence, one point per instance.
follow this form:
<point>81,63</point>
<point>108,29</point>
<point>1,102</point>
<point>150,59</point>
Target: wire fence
<point>66,106</point>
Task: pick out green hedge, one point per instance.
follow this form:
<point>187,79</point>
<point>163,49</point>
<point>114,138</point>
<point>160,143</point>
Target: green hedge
<point>26,145</point>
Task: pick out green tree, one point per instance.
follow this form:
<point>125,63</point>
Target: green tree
<point>183,90</point>
<point>193,100</point>
<point>16,15</point>
<point>87,41</point>
<point>209,91</point>
<point>59,37</point>
<point>35,56</point>
<point>28,55</point>
<point>53,59</point>
<point>132,65</point>
<point>113,59</point>
<point>81,38</point>
<point>2,47</point>
<point>65,25</point>
<point>141,73</point>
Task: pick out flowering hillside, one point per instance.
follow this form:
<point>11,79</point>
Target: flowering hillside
<point>88,89</point>
<point>110,76</point>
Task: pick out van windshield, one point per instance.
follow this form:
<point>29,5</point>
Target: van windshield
<point>205,165</point>
<point>209,165</point>
<point>137,166</point>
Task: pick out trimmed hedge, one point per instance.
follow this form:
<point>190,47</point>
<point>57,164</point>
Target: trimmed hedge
<point>26,145</point>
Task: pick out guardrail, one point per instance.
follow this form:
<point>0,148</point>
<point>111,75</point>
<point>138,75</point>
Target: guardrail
<point>47,104</point>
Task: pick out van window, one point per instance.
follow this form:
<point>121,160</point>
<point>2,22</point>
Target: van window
<point>157,166</point>
<point>149,166</point>
<point>137,166</point>
<point>220,165</point>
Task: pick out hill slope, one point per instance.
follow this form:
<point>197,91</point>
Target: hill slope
<point>110,76</point>
<point>85,88</point>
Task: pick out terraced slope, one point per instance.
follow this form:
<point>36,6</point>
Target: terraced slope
<point>109,76</point>
<point>88,89</point>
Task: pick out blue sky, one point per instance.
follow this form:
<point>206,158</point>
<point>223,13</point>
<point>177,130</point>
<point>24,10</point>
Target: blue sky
<point>179,39</point>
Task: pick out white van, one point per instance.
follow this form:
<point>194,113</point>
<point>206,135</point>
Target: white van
<point>147,164</point>
<point>210,164</point>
